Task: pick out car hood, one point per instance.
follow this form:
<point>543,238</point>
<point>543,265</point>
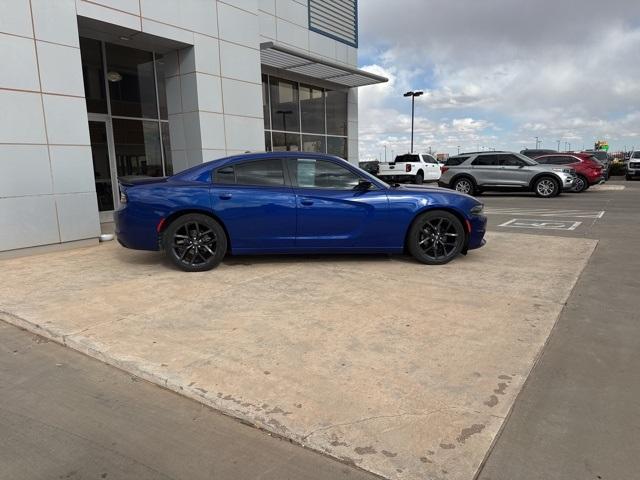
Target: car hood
<point>426,189</point>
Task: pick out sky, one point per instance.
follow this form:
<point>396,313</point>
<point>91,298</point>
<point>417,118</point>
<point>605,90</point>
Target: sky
<point>498,73</point>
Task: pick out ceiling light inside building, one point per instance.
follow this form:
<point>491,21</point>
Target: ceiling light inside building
<point>113,76</point>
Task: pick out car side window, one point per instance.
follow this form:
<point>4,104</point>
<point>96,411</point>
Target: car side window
<point>541,161</point>
<point>484,160</point>
<point>311,173</point>
<point>265,173</point>
<point>511,161</point>
<point>429,159</point>
<point>225,175</point>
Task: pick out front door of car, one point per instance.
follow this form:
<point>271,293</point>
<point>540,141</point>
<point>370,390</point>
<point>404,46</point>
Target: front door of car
<point>513,171</point>
<point>256,205</point>
<point>333,212</point>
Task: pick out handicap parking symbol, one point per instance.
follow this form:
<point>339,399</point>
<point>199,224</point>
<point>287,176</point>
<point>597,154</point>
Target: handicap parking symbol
<point>546,224</point>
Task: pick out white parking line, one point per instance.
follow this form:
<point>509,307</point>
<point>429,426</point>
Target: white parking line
<point>541,224</point>
<point>543,212</point>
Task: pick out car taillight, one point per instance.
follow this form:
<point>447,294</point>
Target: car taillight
<point>407,167</point>
<point>443,169</point>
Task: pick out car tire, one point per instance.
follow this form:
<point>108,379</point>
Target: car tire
<point>546,187</point>
<point>436,237</point>
<point>581,184</point>
<point>464,185</point>
<point>195,242</point>
<point>419,178</point>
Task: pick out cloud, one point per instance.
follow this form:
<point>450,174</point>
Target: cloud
<point>499,71</point>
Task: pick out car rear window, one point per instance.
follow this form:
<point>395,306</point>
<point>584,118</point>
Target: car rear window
<point>407,158</point>
<point>452,161</point>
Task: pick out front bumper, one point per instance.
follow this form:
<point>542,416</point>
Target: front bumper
<point>568,180</point>
<point>478,224</point>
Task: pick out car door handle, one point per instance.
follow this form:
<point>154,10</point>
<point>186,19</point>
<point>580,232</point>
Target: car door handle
<point>225,196</point>
<point>306,202</point>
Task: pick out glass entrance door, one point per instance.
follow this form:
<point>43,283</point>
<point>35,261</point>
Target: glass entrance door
<point>103,168</point>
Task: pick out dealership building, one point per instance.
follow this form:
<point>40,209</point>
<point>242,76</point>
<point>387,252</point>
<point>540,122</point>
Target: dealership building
<point>94,90</point>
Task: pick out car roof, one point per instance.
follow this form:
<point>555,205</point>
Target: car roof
<point>196,171</point>
<point>483,153</point>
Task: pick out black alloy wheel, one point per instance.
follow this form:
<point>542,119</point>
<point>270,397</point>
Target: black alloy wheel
<point>547,187</point>
<point>418,179</point>
<point>195,242</point>
<point>436,237</point>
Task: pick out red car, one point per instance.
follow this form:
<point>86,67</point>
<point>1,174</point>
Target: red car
<point>588,170</point>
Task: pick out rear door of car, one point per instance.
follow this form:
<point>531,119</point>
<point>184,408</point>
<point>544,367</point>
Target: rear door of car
<point>256,203</point>
<point>432,168</point>
<point>486,169</point>
<point>332,212</point>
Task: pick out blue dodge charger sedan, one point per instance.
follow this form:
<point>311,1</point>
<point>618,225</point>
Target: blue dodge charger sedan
<point>292,202</point>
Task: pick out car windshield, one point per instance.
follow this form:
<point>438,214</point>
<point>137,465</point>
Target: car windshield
<point>636,155</point>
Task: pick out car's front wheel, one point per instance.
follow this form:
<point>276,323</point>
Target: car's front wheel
<point>436,237</point>
<point>195,242</point>
<point>546,187</point>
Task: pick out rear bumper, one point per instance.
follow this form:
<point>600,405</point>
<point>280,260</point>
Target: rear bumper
<point>135,231</point>
<point>396,177</point>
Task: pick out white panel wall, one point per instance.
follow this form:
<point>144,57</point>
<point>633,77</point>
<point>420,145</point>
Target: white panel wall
<point>47,193</point>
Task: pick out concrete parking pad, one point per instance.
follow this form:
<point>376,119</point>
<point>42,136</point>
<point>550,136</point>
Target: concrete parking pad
<point>404,370</point>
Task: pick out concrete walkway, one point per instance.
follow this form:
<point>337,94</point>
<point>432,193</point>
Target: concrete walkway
<point>404,370</point>
<point>67,416</point>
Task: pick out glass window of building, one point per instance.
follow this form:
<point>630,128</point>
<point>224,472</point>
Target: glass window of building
<point>265,103</point>
<point>337,146</point>
<point>285,142</point>
<point>131,77</point>
<point>318,114</point>
<point>337,112</point>
<point>314,143</point>
<point>137,147</point>
<point>284,105</point>
<point>312,109</point>
<point>93,75</point>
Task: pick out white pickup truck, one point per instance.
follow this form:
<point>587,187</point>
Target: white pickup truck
<point>415,167</point>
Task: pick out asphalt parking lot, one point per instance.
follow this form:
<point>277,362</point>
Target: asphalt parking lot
<point>328,352</point>
<point>576,416</point>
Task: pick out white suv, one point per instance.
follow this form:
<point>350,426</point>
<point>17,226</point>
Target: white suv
<point>633,165</point>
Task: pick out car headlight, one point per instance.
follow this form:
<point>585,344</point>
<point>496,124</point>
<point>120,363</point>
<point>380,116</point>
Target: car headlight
<point>477,210</point>
<point>564,170</point>
<point>123,197</point>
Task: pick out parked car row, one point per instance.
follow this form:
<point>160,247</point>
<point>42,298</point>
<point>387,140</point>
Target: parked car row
<point>547,173</point>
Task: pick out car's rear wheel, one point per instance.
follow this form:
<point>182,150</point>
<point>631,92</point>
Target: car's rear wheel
<point>436,237</point>
<point>195,242</point>
<point>546,187</point>
<point>581,184</point>
<point>418,179</point>
<point>464,185</point>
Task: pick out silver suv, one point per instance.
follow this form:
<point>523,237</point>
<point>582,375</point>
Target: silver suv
<point>476,172</point>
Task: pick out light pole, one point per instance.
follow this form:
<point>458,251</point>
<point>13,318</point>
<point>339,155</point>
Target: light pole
<point>558,145</point>
<point>413,96</point>
<point>538,142</point>
<point>458,149</point>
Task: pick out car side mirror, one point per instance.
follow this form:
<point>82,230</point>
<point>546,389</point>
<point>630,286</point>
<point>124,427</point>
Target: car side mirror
<point>363,185</point>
